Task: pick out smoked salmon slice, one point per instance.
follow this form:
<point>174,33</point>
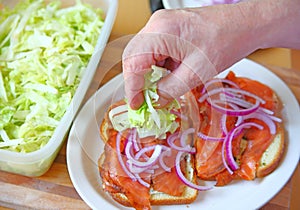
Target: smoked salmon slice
<point>115,180</point>
<point>258,142</point>
<point>209,164</point>
<point>169,183</point>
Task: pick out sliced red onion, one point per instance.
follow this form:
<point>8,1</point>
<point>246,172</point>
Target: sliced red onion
<point>246,93</point>
<point>274,118</point>
<point>119,155</point>
<point>267,111</point>
<point>243,103</point>
<point>152,159</point>
<point>129,149</point>
<point>135,139</point>
<point>206,95</point>
<point>233,112</point>
<point>239,120</point>
<point>231,101</point>
<point>237,101</point>
<point>265,118</point>
<point>224,159</point>
<point>144,150</point>
<point>210,138</point>
<point>171,140</point>
<point>161,160</point>
<point>228,144</point>
<point>224,119</point>
<point>232,95</point>
<point>136,169</point>
<point>230,90</point>
<point>184,179</point>
<point>224,124</point>
<point>219,80</point>
<point>141,181</point>
<point>184,135</point>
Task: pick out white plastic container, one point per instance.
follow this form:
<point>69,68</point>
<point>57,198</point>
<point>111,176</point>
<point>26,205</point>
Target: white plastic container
<point>38,162</point>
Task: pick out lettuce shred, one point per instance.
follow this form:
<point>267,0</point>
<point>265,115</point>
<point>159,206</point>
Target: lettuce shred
<point>148,119</point>
<point>44,50</point>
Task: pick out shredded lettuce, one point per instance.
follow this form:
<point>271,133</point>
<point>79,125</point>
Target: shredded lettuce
<point>44,50</point>
<point>149,120</point>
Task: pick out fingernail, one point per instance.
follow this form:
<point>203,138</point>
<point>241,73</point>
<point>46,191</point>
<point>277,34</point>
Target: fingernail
<point>162,102</point>
<point>136,102</point>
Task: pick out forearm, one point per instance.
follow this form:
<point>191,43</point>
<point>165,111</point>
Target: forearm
<point>205,41</point>
<point>252,25</point>
<point>274,23</point>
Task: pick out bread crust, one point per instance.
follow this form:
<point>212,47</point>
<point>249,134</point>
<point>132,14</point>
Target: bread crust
<point>277,146</point>
<point>279,141</point>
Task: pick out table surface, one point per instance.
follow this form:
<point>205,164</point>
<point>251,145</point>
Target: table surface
<point>54,189</point>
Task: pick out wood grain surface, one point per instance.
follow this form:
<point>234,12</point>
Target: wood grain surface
<point>54,189</point>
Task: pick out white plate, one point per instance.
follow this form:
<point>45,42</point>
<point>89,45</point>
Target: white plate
<point>85,145</point>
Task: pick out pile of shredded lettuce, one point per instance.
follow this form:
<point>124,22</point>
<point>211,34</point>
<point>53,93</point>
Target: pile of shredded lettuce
<point>44,50</point>
<point>149,120</point>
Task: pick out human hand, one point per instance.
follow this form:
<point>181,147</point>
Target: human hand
<point>195,44</point>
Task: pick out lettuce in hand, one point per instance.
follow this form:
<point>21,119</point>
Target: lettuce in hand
<point>148,119</point>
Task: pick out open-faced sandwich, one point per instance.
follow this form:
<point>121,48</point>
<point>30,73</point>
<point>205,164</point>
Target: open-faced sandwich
<point>224,130</point>
<point>240,135</point>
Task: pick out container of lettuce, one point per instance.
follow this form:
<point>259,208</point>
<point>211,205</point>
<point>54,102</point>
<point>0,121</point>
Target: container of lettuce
<point>49,53</point>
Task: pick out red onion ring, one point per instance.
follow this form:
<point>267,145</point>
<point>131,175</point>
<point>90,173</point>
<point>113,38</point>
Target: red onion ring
<point>119,155</point>
<point>175,136</point>
<point>161,161</point>
<point>218,80</point>
<point>206,95</point>
<point>144,150</point>
<point>246,93</point>
<point>135,139</point>
<point>265,118</point>
<point>184,135</point>
<point>141,181</point>
<point>183,178</point>
<point>210,138</point>
<point>224,119</point>
<point>227,145</point>
<point>243,103</point>
<point>152,159</point>
<point>233,112</point>
<point>230,90</point>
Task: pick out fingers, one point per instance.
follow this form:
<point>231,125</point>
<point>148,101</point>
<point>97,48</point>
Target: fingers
<point>193,69</point>
<point>137,61</point>
<point>134,84</point>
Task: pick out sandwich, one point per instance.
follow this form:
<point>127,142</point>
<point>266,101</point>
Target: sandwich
<point>144,172</point>
<point>157,156</point>
<point>240,134</point>
<point>148,157</point>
